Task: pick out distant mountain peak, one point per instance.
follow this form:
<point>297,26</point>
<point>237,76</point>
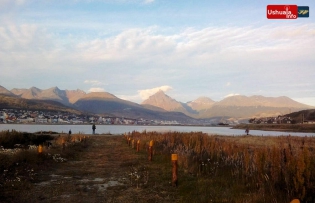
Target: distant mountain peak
<point>100,95</point>
<point>203,99</point>
<point>161,100</point>
<point>160,91</point>
<point>201,103</point>
<point>34,89</point>
<point>5,91</point>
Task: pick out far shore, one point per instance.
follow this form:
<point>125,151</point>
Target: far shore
<point>112,124</point>
<point>309,128</point>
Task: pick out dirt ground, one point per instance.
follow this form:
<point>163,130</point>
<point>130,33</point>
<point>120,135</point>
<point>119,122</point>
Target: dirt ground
<point>107,170</point>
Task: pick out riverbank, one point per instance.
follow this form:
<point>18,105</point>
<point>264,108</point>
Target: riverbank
<point>308,128</point>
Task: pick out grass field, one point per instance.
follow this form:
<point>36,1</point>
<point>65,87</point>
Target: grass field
<point>240,169</point>
<point>211,169</point>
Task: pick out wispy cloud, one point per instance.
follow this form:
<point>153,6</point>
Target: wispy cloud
<point>189,59</point>
<point>134,98</point>
<point>94,82</point>
<point>208,44</point>
<point>231,95</point>
<point>144,94</point>
<point>96,89</point>
<point>8,4</point>
<point>148,1</point>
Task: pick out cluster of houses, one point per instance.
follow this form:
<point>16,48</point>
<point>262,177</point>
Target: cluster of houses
<point>27,116</point>
<point>41,117</point>
<point>272,120</point>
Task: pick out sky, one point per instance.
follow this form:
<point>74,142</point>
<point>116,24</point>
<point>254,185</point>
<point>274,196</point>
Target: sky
<point>133,48</point>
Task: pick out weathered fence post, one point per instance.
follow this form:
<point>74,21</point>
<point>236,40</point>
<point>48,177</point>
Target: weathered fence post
<point>138,145</point>
<point>174,170</point>
<point>133,143</point>
<point>150,150</point>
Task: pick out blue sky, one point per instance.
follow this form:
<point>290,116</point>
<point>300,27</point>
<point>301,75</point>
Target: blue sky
<point>134,48</point>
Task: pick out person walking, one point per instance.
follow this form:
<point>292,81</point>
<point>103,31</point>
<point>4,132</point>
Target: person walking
<point>247,131</point>
<point>93,128</point>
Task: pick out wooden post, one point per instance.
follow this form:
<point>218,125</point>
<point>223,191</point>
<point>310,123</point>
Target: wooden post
<point>129,141</point>
<point>133,144</point>
<point>150,150</point>
<point>138,145</point>
<point>174,170</point>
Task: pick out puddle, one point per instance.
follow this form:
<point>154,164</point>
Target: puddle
<point>84,180</point>
<point>54,176</point>
<point>43,183</point>
<point>95,180</point>
<point>104,186</point>
<point>65,196</point>
<point>98,179</point>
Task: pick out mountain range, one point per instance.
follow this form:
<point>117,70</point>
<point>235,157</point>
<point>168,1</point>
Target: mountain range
<point>238,106</point>
<point>161,106</point>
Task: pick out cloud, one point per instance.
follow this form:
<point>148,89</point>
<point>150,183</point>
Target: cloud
<point>96,89</point>
<point>202,47</point>
<point>6,5</point>
<point>190,59</point>
<point>148,1</point>
<point>144,94</point>
<point>93,82</point>
<point>231,95</point>
<point>133,98</point>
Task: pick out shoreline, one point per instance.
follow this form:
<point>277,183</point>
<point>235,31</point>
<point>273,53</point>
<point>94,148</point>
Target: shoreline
<point>296,128</point>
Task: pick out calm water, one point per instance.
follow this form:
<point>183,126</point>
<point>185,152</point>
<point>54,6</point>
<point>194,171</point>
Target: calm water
<point>120,129</point>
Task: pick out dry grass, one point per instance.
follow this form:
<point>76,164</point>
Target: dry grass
<point>211,169</point>
<point>240,169</point>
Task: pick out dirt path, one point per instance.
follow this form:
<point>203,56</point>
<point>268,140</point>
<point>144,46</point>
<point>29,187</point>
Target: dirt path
<point>102,174</point>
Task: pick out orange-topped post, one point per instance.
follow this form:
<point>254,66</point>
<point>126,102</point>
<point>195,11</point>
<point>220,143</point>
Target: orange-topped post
<point>174,158</point>
<point>40,149</point>
<point>138,145</point>
<point>150,150</point>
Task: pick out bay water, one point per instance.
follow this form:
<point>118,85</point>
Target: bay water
<point>121,129</point>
